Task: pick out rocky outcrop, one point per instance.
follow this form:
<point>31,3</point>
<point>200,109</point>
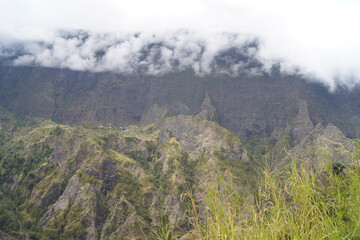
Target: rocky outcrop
<point>177,108</point>
<point>201,136</point>
<point>71,194</point>
<point>334,133</point>
<point>302,125</point>
<point>324,144</point>
<point>155,115</point>
<point>208,111</point>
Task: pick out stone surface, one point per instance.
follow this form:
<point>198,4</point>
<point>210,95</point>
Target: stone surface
<point>208,111</point>
<point>302,125</point>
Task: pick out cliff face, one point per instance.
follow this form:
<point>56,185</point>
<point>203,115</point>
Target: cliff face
<point>248,106</point>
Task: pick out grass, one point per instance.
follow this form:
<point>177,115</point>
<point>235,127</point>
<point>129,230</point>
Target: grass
<point>295,202</point>
<point>164,231</point>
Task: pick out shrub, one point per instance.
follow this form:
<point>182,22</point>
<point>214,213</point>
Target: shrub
<point>57,131</point>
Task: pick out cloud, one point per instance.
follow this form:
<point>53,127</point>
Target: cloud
<point>149,54</point>
<point>318,38</point>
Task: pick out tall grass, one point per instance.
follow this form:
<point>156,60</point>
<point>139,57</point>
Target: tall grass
<point>292,203</point>
<point>164,232</point>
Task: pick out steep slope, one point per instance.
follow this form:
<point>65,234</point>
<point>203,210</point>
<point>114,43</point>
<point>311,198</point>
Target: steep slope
<point>104,182</point>
<point>300,139</point>
<point>246,105</point>
<point>87,182</point>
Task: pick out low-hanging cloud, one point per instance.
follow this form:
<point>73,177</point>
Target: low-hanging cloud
<point>318,39</point>
<point>149,54</point>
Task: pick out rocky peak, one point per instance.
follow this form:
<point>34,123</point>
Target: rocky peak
<point>202,137</point>
<point>208,111</point>
<point>155,115</point>
<point>302,124</point>
<point>332,132</point>
<point>324,143</point>
<point>178,108</point>
<point>335,134</point>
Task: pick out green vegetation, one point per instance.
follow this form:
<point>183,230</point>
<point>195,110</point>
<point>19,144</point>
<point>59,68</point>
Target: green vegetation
<point>139,157</point>
<point>132,139</point>
<point>57,131</point>
<point>68,224</point>
<point>295,202</point>
<point>12,162</point>
<point>61,181</point>
<point>164,232</point>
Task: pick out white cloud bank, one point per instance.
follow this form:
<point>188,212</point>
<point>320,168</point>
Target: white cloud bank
<point>318,38</point>
<point>150,54</point>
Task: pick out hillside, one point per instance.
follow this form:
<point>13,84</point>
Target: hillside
<point>106,156</point>
<point>179,120</point>
<point>104,182</point>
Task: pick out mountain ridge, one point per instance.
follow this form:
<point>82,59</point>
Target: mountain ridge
<point>248,106</point>
<point>102,182</point>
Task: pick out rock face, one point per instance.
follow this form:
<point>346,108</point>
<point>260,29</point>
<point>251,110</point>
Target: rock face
<point>302,124</point>
<point>155,115</point>
<point>246,105</point>
<point>208,111</point>
<point>202,137</point>
<point>323,145</point>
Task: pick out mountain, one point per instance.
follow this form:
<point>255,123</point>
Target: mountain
<point>106,182</point>
<point>105,156</point>
<point>246,105</point>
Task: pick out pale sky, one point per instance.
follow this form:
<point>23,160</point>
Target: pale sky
<point>321,38</point>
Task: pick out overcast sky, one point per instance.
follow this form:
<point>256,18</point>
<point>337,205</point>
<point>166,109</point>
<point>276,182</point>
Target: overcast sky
<point>320,37</point>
